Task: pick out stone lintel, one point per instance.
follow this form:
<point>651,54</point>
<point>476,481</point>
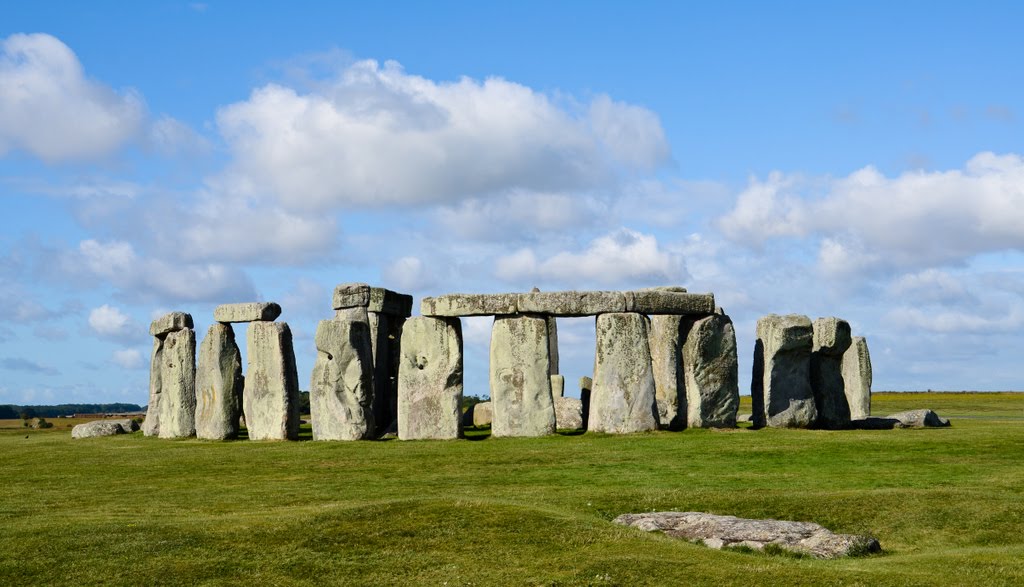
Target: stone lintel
<point>247,312</point>
<point>374,299</point>
<point>569,303</point>
<point>170,323</point>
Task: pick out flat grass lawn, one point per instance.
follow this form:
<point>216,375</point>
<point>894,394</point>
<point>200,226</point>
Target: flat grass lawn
<point>946,504</point>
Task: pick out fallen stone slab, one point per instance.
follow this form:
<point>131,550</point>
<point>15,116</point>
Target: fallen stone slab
<point>247,312</point>
<point>170,323</point>
<point>104,428</point>
<point>920,419</point>
<point>720,532</point>
<point>568,413</point>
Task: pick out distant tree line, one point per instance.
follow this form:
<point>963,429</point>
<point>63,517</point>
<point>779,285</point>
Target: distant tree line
<point>10,411</point>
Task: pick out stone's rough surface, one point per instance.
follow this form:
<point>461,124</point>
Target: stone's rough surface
<point>271,397</point>
<point>919,419</point>
<point>857,378</point>
<point>572,303</point>
<point>341,389</point>
<point>151,425</point>
<point>374,299</point>
<point>669,288</point>
<point>744,419</point>
<point>104,428</point>
<point>721,531</point>
<point>356,314</point>
<point>831,341</point>
<point>623,398</point>
<point>666,336</point>
<point>520,377</point>
<point>351,295</point>
<point>454,305</point>
<point>712,373</point>
<point>247,312</point>
<point>430,379</point>
<point>219,385</point>
<point>568,413</point>
<point>170,323</point>
<point>178,385</point>
<point>780,388</point>
<point>478,415</point>
<point>586,383</point>
<point>557,386</point>
<point>553,344</point>
<point>667,302</point>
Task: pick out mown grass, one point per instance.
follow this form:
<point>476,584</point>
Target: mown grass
<point>946,504</point>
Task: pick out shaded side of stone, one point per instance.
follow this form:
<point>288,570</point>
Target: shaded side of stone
<point>857,378</point>
<point>553,344</point>
<point>623,398</point>
<point>586,385</point>
<point>219,385</point>
<point>666,336</point>
<point>379,327</point>
<point>271,397</point>
<point>151,425</point>
<point>711,373</point>
<point>780,386</point>
<point>430,379</point>
<point>831,340</point>
<point>247,312</point>
<point>178,385</point>
<point>341,387</point>
<point>520,378</point>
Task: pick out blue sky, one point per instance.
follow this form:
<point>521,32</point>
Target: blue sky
<point>860,160</point>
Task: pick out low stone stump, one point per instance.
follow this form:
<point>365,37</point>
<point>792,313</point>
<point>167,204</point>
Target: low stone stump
<point>520,378</point>
<point>178,385</point>
<point>104,428</point>
<point>341,387</point>
<point>666,336</point>
<point>720,532</point>
<point>623,398</point>
<point>270,400</point>
<point>430,379</point>
<point>780,388</point>
<point>857,378</point>
<point>568,413</point>
<point>219,385</point>
<point>711,373</point>
<point>831,341</point>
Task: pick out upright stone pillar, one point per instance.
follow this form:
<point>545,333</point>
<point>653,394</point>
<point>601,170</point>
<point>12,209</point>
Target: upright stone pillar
<point>831,340</point>
<point>780,388</point>
<point>857,378</point>
<point>667,336</point>
<point>271,398</point>
<point>341,390</point>
<point>219,385</point>
<point>430,379</point>
<point>520,377</point>
<point>623,399</point>
<point>159,329</point>
<point>557,386</point>
<point>711,373</point>
<point>586,384</point>
<point>178,385</point>
<point>553,344</point>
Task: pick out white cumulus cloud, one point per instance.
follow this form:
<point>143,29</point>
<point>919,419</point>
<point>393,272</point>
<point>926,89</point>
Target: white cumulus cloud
<point>128,358</point>
<point>110,322</point>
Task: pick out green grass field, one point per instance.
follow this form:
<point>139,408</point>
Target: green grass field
<point>946,504</point>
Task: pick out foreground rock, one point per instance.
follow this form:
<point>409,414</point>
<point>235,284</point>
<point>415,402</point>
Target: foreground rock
<point>711,373</point>
<point>219,385</point>
<point>341,387</point>
<point>729,531</point>
<point>568,413</point>
<point>520,377</point>
<point>271,397</point>
<point>831,341</point>
<point>430,379</point>
<point>104,428</point>
<point>857,378</point>
<point>780,388</point>
<point>623,398</point>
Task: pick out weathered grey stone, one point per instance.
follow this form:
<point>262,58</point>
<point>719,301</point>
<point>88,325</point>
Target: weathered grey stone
<point>831,340</point>
<point>430,379</point>
<point>623,399</point>
<point>666,336</point>
<point>382,385</point>
<point>668,288</point>
<point>170,323</point>
<point>711,373</point>
<point>219,384</point>
<point>356,314</point>
<point>919,419</point>
<point>178,385</point>
<point>780,388</point>
<point>520,377</point>
<point>374,299</point>
<point>669,302</point>
<point>247,312</point>
<point>727,531</point>
<point>151,425</point>
<point>351,295</point>
<point>99,428</point>
<point>271,397</point>
<point>478,415</point>
<point>586,385</point>
<point>744,418</point>
<point>454,305</point>
<point>874,423</point>
<point>568,413</point>
<point>572,303</point>
<point>857,378</point>
<point>557,386</point>
<point>553,344</point>
<point>341,388</point>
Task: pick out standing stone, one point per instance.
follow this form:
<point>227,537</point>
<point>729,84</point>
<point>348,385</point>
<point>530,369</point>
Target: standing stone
<point>780,388</point>
<point>151,425</point>
<point>430,379</point>
<point>831,340</point>
<point>557,386</point>
<point>341,390</point>
<point>178,385</point>
<point>520,377</point>
<point>380,347</point>
<point>712,373</point>
<point>623,399</point>
<point>667,335</point>
<point>857,378</point>
<point>568,413</point>
<point>219,385</point>
<point>169,323</point>
<point>586,384</point>
<point>552,344</point>
<point>271,397</point>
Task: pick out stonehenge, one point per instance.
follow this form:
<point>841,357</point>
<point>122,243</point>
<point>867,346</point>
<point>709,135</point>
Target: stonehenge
<point>664,358</point>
